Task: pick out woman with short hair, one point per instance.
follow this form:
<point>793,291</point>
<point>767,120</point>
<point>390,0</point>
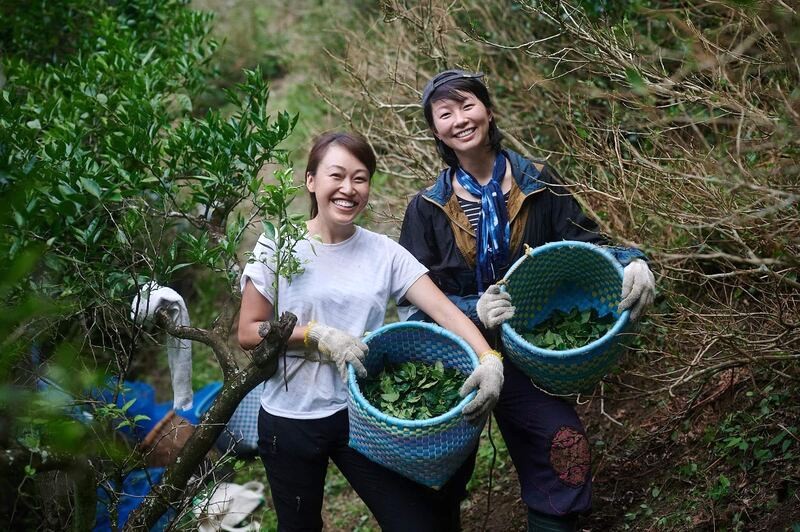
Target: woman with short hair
<point>468,228</point>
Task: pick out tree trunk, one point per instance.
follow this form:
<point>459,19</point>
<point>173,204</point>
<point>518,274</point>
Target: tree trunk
<point>170,492</point>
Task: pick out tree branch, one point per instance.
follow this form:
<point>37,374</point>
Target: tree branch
<point>170,492</point>
<point>212,339</point>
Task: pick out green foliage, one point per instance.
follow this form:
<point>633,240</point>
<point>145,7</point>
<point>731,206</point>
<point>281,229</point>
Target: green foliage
<point>111,181</point>
<point>84,135</point>
<point>45,31</point>
<point>24,308</point>
<point>119,414</point>
<point>275,201</point>
<point>112,163</point>
<point>752,440</point>
<point>414,389</point>
<point>732,465</point>
<point>52,423</point>
<point>569,330</point>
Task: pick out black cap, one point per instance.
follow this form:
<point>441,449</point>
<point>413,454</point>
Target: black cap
<point>443,77</point>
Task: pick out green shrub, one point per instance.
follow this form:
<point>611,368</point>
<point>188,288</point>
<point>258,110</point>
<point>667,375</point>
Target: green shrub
<point>112,182</point>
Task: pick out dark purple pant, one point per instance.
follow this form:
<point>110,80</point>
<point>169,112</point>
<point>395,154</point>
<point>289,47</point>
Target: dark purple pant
<point>544,436</point>
<point>548,445</point>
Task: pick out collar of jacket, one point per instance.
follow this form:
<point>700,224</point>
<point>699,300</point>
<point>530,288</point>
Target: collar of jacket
<point>526,182</point>
<point>526,177</point>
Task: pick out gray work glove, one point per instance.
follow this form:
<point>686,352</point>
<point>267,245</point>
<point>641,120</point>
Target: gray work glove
<point>638,288</point>
<point>488,379</point>
<point>494,307</point>
<point>337,347</point>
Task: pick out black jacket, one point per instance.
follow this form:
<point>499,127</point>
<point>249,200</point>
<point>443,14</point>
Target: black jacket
<point>540,209</point>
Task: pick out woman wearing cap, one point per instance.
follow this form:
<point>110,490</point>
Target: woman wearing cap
<point>468,228</point>
<point>348,277</point>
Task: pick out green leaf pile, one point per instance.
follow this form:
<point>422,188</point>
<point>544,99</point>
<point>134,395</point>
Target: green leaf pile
<point>414,390</point>
<point>569,330</point>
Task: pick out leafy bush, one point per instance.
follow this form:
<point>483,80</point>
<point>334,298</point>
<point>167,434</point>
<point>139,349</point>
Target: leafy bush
<point>114,182</point>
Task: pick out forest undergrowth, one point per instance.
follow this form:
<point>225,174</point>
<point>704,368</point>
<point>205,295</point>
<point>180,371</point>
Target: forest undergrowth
<point>676,124</point>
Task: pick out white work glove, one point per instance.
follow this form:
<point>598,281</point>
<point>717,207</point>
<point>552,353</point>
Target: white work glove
<point>638,288</point>
<point>494,307</point>
<point>337,347</point>
<point>488,379</point>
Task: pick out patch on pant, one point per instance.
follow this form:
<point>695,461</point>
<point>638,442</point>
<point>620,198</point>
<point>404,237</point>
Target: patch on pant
<point>569,456</point>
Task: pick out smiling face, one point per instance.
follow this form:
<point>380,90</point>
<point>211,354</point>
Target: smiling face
<point>462,126</point>
<point>341,187</point>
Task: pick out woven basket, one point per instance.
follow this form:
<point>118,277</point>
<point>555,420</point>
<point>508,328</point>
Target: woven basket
<point>427,451</point>
<point>562,276</point>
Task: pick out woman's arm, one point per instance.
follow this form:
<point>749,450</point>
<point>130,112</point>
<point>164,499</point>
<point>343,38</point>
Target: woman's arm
<point>334,346</point>
<point>255,310</point>
<point>426,296</point>
<point>487,378</point>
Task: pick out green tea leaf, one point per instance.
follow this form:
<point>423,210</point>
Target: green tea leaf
<point>414,390</point>
<point>569,330</point>
<point>91,187</point>
<point>390,397</point>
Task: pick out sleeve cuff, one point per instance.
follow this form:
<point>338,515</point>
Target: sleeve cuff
<point>625,255</point>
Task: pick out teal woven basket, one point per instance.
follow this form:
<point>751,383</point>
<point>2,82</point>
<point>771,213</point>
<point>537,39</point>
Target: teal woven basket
<point>562,276</point>
<point>426,451</point>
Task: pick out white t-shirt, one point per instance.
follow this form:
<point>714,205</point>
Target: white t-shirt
<point>346,286</point>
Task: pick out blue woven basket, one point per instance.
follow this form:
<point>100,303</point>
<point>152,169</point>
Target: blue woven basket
<point>562,276</point>
<point>427,451</point>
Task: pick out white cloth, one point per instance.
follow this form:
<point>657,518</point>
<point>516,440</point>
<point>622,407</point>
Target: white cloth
<point>151,298</point>
<point>406,311</point>
<point>228,505</point>
<point>346,286</point>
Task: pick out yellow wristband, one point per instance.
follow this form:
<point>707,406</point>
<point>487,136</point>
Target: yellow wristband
<point>308,330</point>
<point>491,352</point>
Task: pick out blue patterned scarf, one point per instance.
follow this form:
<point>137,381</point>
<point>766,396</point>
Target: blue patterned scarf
<point>494,231</point>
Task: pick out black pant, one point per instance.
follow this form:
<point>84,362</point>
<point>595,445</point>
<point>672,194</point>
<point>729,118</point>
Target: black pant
<point>295,453</point>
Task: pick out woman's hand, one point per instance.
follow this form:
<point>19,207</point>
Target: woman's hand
<point>338,347</point>
<point>638,288</point>
<point>494,307</point>
<point>488,379</point>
